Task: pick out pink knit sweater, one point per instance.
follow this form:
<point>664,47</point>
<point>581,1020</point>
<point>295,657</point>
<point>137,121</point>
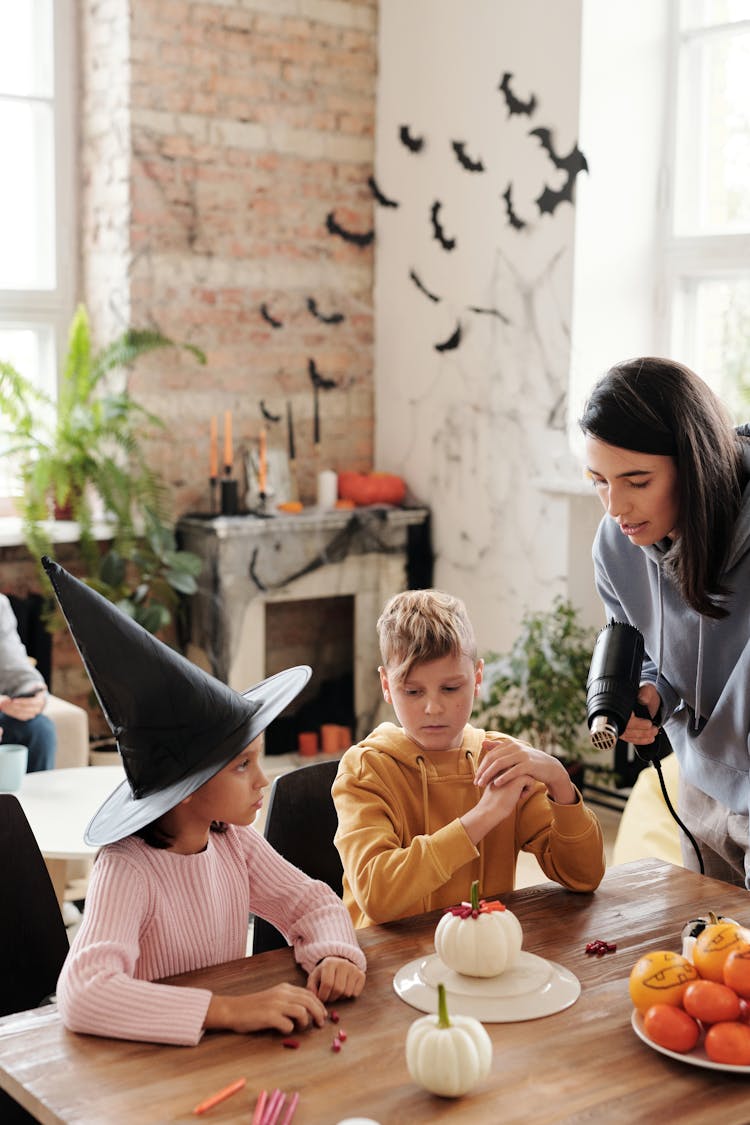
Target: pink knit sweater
<point>152,913</point>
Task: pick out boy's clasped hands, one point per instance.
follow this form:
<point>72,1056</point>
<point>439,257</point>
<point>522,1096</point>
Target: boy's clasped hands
<point>507,772</point>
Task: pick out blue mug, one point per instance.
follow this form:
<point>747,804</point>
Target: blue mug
<point>13,762</point>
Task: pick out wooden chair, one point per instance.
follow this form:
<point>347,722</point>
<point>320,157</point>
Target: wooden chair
<point>300,824</point>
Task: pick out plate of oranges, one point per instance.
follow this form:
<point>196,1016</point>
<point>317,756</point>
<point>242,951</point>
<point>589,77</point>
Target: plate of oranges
<point>697,1008</point>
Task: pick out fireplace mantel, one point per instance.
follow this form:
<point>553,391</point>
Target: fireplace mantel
<point>365,553</point>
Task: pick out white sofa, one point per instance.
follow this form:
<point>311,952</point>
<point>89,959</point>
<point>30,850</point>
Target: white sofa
<point>72,726</point>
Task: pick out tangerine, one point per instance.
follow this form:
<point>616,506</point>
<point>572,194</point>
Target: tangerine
<point>737,971</point>
<point>671,1027</point>
<point>660,977</point>
<point>728,1043</point>
<point>714,945</point>
<point>711,1002</point>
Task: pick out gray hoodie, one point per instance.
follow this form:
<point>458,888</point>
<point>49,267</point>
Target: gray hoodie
<point>17,673</point>
<point>700,666</point>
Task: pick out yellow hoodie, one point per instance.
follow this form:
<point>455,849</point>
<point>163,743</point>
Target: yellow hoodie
<point>402,844</point>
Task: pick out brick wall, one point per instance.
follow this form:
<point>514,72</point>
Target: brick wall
<point>215,138</point>
<point>245,124</point>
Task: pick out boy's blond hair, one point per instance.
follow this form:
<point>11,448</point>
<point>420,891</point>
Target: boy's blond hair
<point>417,626</point>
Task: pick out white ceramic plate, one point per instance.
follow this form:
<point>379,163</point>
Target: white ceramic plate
<point>532,988</point>
<point>696,1057</point>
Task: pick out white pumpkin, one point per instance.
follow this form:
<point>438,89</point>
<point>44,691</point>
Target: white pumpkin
<point>448,1056</point>
<point>478,939</point>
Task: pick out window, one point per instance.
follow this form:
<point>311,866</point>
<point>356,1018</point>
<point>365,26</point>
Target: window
<point>37,284</point>
<point>707,239</point>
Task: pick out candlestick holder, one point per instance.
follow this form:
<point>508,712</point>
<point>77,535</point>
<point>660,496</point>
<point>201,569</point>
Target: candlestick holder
<point>213,485</point>
<point>229,497</point>
<point>260,508</point>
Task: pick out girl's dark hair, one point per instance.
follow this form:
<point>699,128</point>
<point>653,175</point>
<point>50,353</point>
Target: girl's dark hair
<point>155,836</point>
<point>661,407</point>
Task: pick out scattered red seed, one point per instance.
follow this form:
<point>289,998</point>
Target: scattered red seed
<point>336,1045</point>
<point>292,1044</point>
<point>341,1034</point>
<point>334,1016</point>
<point>598,948</point>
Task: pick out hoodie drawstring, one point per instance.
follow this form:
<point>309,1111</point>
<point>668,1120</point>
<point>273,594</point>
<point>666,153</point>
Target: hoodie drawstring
<point>426,808</point>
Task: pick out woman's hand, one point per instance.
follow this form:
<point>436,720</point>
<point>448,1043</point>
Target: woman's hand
<point>334,977</point>
<point>283,1007</point>
<point>642,732</point>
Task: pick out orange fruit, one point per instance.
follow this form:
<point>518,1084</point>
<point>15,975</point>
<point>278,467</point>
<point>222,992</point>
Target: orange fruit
<point>671,1027</point>
<point>728,1043</point>
<point>714,945</point>
<point>737,971</point>
<point>710,1002</point>
<point>660,977</point>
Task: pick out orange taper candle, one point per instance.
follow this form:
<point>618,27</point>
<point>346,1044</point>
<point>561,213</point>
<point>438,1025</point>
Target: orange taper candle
<point>227,441</point>
<point>262,461</point>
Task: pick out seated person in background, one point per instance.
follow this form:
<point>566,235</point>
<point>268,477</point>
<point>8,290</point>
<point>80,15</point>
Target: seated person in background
<point>647,828</point>
<point>429,806</point>
<point>23,697</point>
<point>182,868</point>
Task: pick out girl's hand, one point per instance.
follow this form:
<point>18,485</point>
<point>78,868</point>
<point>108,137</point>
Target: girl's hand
<point>283,1007</point>
<point>508,759</point>
<point>334,977</point>
<point>642,732</point>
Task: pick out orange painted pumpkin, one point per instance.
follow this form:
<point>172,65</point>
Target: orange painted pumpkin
<point>371,488</point>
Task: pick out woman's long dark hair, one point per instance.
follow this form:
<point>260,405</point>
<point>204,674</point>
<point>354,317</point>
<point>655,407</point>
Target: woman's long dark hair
<point>658,406</point>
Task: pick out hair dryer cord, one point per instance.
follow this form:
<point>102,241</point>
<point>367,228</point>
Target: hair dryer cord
<point>655,762</point>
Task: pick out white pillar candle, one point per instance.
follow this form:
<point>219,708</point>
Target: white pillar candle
<point>328,488</point>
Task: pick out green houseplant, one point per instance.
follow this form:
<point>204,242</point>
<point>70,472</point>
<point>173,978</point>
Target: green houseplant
<point>537,691</point>
<point>83,451</point>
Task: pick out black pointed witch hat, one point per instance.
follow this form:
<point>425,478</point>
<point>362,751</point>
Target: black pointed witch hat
<point>175,725</point>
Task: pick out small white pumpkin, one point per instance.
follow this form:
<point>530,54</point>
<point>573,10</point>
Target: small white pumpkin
<point>478,938</point>
<point>448,1056</point>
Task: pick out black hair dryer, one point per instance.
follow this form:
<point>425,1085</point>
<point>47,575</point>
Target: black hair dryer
<point>613,683</point>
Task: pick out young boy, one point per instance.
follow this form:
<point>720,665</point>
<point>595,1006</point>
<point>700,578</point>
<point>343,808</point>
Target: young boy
<point>427,807</point>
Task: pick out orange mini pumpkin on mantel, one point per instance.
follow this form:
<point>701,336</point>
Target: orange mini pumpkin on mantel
<point>371,488</point>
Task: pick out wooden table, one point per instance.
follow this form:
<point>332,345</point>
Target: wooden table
<point>582,1064</point>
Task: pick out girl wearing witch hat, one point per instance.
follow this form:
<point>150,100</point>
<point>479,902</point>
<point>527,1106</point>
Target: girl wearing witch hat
<point>181,868</point>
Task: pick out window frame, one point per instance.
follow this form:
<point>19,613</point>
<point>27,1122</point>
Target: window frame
<point>688,259</point>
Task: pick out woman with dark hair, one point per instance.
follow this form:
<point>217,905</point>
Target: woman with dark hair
<point>672,557</point>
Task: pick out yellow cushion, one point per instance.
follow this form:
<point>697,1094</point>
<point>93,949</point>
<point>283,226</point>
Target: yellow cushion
<point>646,826</point>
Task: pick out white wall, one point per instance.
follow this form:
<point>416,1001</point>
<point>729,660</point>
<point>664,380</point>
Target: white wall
<point>475,430</point>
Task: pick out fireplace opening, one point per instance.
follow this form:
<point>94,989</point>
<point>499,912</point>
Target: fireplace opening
<point>318,632</point>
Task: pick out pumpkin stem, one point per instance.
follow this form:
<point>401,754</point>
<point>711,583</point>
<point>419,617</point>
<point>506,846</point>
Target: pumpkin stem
<point>475,895</point>
<point>442,1012</point>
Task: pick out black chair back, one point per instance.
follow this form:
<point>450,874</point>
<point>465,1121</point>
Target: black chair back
<point>33,940</point>
<point>300,824</point>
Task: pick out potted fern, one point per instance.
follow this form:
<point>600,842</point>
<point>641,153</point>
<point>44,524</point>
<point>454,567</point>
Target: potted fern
<point>81,452</point>
<point>537,691</point>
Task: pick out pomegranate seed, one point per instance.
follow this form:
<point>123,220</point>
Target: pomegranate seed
<point>336,1045</point>
<point>341,1035</point>
<point>292,1044</point>
<point>334,1016</point>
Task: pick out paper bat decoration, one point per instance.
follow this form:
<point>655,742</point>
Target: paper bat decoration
<point>423,288</point>
<point>270,319</point>
<point>514,104</point>
<point>332,318</point>
<point>459,147</point>
<point>572,164</point>
<point>490,312</point>
<point>383,200</point>
<point>317,379</point>
<point>452,342</point>
<point>267,413</point>
<point>437,229</point>
<point>414,144</point>
<point>513,219</point>
<point>363,239</point>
